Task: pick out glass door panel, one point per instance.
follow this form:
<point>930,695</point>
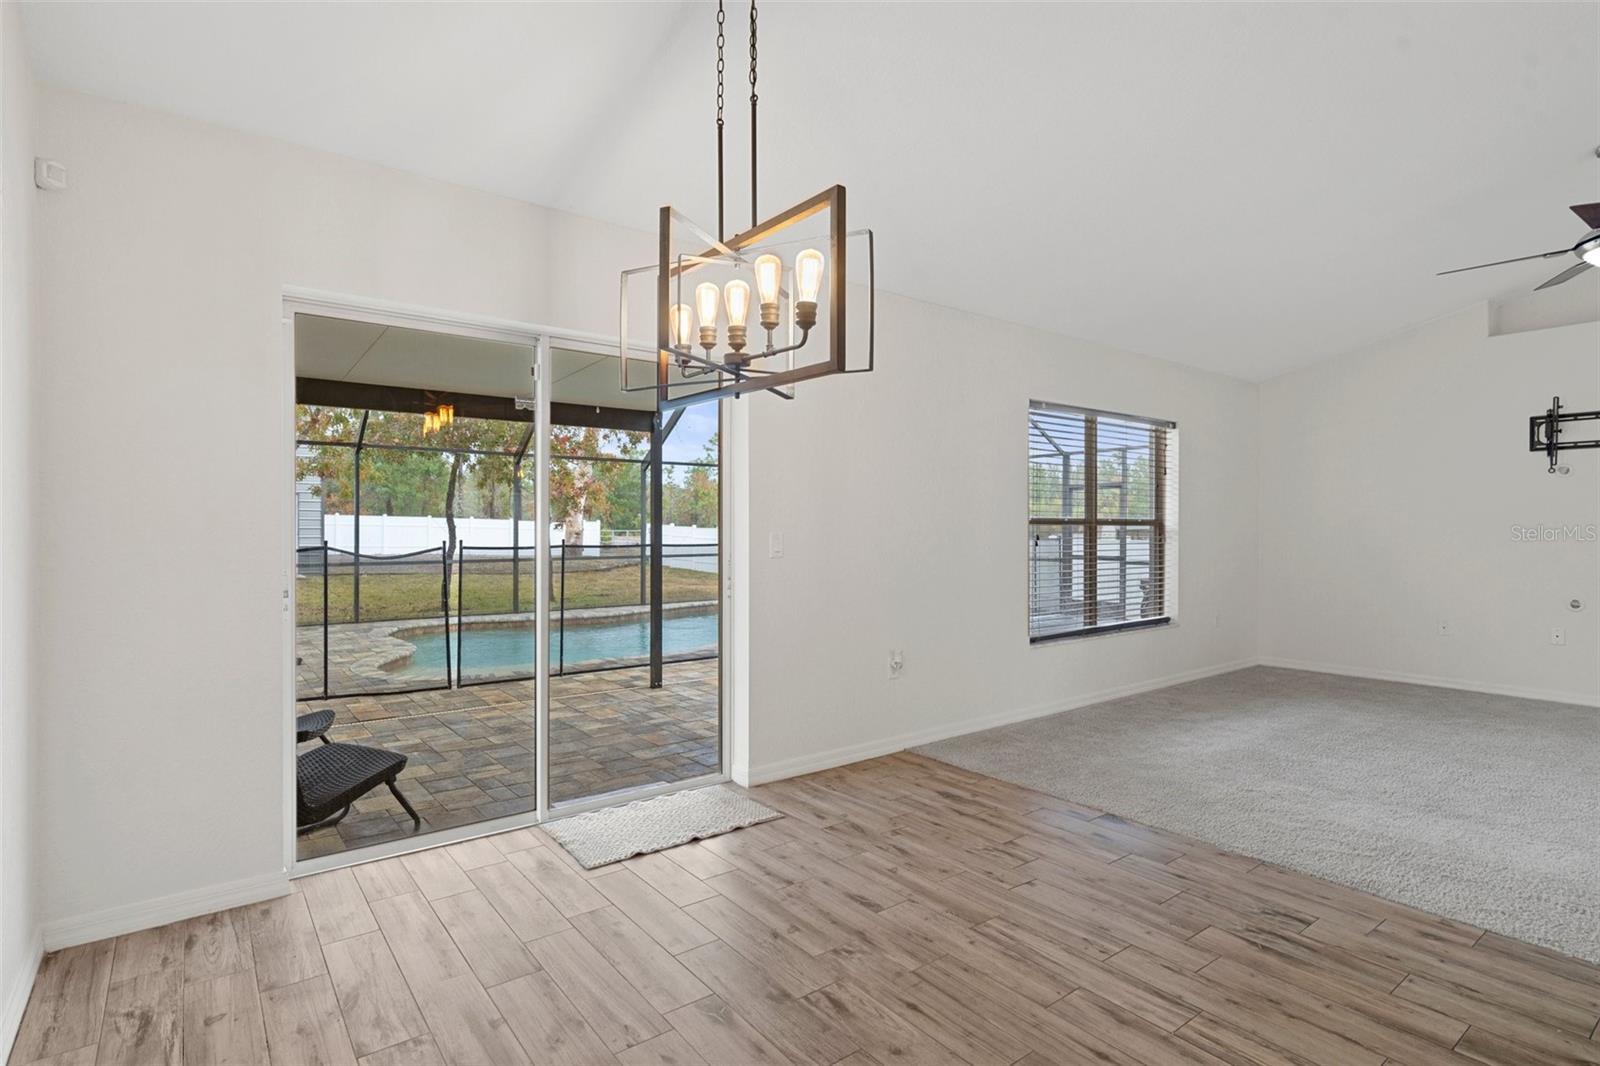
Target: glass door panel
<point>618,721</point>
<point>416,583</point>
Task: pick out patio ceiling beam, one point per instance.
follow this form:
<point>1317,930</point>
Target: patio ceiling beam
<point>356,395</point>
<point>591,416</point>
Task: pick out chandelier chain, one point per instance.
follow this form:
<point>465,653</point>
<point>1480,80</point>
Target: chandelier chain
<point>721,18</point>
<point>753,100</point>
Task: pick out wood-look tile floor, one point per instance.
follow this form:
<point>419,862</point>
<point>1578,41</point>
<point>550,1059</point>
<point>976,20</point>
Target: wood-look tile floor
<point>904,911</point>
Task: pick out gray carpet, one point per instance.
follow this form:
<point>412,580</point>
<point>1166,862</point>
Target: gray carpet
<point>1477,807</point>
<point>612,834</point>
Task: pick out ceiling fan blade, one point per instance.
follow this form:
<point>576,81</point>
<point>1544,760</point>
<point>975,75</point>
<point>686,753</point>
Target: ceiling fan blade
<point>1590,213</point>
<point>1503,262</point>
<point>1566,275</point>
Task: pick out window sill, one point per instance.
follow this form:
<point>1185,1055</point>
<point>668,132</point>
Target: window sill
<point>1097,631</point>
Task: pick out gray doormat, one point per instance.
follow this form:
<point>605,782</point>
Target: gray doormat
<point>638,828</point>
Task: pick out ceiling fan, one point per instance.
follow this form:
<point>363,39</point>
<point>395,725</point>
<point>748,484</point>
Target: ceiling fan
<point>1587,250</point>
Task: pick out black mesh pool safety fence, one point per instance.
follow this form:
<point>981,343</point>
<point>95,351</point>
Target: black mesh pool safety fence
<point>401,642</point>
<point>496,587</point>
<point>600,598</point>
<point>405,640</point>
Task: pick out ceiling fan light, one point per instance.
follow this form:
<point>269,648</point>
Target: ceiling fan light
<point>1591,254</point>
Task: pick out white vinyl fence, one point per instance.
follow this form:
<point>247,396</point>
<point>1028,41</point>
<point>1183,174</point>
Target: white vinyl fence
<point>398,534</point>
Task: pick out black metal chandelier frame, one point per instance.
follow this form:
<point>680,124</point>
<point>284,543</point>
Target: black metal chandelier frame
<point>707,378</point>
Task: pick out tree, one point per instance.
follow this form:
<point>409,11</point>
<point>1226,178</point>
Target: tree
<point>585,484</point>
<point>468,467</point>
<point>469,444</point>
<point>691,494</point>
<point>398,481</point>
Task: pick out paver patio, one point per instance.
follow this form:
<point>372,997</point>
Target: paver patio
<point>471,750</point>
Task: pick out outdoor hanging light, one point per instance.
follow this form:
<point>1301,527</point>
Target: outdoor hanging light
<point>435,420</point>
<point>806,327</point>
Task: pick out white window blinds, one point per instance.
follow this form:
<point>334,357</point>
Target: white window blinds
<point>1101,500</point>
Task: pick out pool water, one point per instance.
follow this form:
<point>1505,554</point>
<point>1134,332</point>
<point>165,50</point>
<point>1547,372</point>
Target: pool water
<point>509,649</point>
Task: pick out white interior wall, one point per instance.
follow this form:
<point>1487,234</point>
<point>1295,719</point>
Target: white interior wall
<point>19,934</point>
<point>1392,496</point>
<point>159,652</point>
<point>926,461</point>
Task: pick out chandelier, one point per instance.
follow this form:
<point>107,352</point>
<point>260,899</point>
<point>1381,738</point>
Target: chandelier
<point>436,419</point>
<point>788,270</point>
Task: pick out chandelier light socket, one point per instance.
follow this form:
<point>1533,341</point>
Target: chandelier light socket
<point>736,338</point>
<point>769,315</point>
<point>708,337</point>
<point>805,313</point>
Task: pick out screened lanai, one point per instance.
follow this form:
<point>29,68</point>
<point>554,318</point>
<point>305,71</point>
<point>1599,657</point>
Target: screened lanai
<point>418,584</point>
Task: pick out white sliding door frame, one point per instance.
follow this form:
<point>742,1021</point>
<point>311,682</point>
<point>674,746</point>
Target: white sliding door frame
<point>542,340</point>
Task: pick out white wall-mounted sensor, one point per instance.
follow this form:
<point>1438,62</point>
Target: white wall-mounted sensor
<point>48,174</point>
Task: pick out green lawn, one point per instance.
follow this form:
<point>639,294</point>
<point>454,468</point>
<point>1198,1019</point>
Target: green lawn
<point>390,596</point>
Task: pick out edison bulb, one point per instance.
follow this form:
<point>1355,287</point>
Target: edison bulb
<point>736,297</point>
<point>736,294</point>
<point>706,295</point>
<point>769,278</point>
<point>808,275</point>
<point>682,325</point>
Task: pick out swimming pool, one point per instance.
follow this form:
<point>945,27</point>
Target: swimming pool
<point>500,650</point>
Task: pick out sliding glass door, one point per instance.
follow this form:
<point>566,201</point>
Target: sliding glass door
<point>416,582</point>
<point>475,576</point>
<point>635,693</point>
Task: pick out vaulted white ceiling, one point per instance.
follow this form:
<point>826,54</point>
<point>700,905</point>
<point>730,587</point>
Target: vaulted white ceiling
<point>1244,188</point>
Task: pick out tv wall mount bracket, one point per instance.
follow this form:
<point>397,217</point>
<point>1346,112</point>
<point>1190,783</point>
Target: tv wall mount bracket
<point>1544,431</point>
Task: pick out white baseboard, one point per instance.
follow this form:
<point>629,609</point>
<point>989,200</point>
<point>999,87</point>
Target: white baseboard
<point>1549,695</point>
<point>871,749</point>
<point>16,997</point>
<point>132,917</point>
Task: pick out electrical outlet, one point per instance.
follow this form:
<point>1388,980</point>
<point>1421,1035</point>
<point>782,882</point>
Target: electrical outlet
<point>1444,628</point>
<point>897,664</point>
<point>1558,636</point>
<point>774,545</point>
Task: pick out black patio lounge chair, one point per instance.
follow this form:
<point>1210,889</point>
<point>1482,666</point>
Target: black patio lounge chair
<point>331,778</point>
<point>313,726</point>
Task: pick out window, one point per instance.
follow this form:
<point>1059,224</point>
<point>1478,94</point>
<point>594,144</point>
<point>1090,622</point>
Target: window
<point>1101,498</point>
